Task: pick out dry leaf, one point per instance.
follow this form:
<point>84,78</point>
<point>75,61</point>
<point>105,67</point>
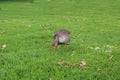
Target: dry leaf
<point>70,64</point>
<point>83,64</point>
<point>110,57</point>
<point>3,46</point>
<point>66,64</point>
<point>98,70</point>
<point>50,79</point>
<point>62,63</point>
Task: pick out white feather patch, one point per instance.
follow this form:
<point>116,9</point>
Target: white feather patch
<point>62,39</point>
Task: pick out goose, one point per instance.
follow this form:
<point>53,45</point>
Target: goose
<point>60,37</point>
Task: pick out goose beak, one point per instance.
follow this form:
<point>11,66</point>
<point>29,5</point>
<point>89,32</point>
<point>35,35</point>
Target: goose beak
<point>54,47</point>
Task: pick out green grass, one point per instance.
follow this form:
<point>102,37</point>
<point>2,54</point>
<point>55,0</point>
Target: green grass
<point>27,30</point>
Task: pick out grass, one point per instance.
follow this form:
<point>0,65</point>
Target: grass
<point>27,28</point>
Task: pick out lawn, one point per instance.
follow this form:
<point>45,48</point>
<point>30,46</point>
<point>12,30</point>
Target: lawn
<point>27,28</point>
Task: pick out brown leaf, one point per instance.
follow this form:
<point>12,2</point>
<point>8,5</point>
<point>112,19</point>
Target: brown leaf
<point>3,46</point>
<point>62,63</point>
<point>70,64</point>
<point>66,64</point>
<point>83,64</point>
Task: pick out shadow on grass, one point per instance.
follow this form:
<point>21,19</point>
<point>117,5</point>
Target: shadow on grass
<point>17,1</point>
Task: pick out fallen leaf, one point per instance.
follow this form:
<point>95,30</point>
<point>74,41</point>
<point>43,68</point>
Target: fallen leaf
<point>3,46</point>
<point>98,70</point>
<point>50,79</point>
<point>62,63</point>
<point>83,64</point>
<point>110,57</point>
<point>66,64</point>
<point>71,64</point>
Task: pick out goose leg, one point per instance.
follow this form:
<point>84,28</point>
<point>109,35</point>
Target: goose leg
<point>67,45</point>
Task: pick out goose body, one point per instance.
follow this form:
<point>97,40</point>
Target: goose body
<point>60,37</point>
